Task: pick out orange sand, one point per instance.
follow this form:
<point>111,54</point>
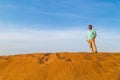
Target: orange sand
<point>60,66</point>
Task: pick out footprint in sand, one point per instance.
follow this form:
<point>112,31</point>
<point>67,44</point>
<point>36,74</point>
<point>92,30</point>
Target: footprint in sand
<point>43,59</point>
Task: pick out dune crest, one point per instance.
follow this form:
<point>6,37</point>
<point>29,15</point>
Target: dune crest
<point>60,66</point>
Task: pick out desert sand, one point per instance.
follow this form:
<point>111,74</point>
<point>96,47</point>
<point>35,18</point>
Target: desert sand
<point>60,66</point>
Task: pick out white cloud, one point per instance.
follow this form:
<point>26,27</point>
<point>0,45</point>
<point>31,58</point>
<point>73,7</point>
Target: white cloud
<point>43,41</point>
<point>42,35</point>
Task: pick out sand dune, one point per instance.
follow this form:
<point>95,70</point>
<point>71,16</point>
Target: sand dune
<point>60,66</point>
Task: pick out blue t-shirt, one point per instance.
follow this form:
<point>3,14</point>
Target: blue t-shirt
<point>91,34</point>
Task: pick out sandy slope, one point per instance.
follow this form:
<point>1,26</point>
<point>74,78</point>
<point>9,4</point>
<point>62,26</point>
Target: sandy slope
<point>60,66</point>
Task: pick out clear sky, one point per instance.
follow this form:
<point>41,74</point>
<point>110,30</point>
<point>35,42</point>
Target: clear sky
<point>28,26</point>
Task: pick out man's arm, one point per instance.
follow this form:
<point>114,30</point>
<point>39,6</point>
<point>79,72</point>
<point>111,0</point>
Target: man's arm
<point>95,35</point>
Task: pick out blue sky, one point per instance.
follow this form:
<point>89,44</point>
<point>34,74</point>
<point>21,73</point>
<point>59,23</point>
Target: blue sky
<point>57,25</point>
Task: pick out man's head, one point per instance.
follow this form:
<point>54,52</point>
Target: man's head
<point>90,27</point>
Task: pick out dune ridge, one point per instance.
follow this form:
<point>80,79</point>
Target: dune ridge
<point>60,66</point>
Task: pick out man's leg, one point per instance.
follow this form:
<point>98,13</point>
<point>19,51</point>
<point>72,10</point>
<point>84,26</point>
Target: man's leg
<point>90,45</point>
<point>94,46</point>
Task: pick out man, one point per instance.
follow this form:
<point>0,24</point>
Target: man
<point>91,39</point>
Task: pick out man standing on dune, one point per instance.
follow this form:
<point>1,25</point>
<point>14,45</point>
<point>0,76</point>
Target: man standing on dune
<point>91,39</point>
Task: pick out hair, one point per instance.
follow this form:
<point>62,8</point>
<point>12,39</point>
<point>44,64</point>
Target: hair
<point>89,25</point>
